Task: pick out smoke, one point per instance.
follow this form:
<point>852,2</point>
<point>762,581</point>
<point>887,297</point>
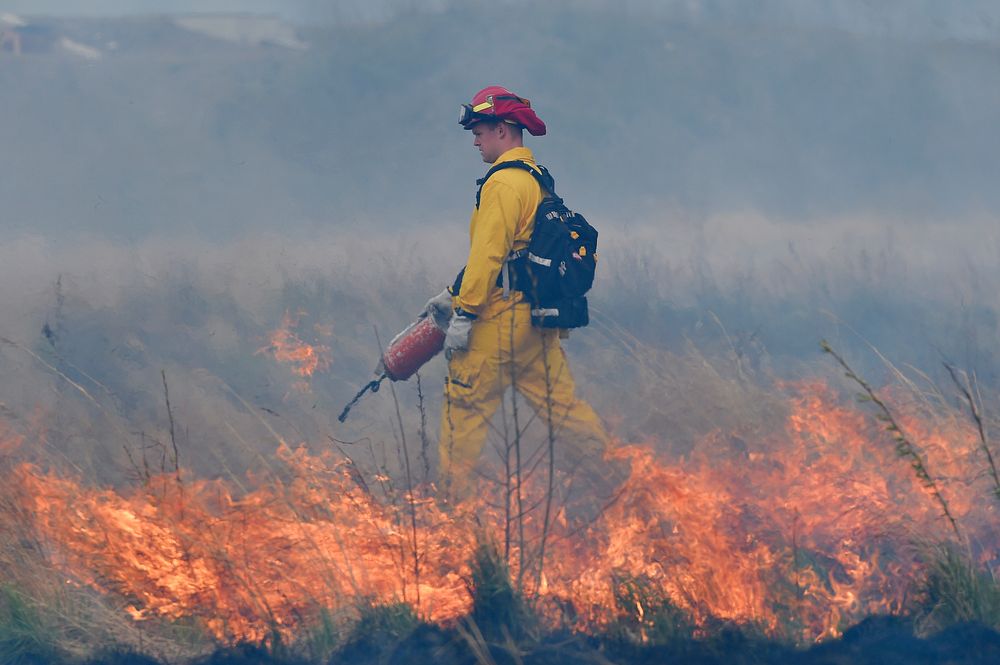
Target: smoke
<point>96,325</point>
<point>173,131</point>
<point>761,180</point>
<point>977,20</point>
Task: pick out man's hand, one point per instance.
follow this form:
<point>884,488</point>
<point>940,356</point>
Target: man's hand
<point>440,308</point>
<point>457,337</point>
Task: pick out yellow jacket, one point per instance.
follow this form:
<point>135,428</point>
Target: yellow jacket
<point>502,223</point>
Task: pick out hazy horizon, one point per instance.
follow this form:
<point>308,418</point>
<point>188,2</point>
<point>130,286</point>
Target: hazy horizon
<point>925,19</point>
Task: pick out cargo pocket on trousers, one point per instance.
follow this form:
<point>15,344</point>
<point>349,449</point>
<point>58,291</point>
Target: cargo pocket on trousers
<point>463,385</point>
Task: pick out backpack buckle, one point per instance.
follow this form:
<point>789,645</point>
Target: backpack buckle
<point>505,270</point>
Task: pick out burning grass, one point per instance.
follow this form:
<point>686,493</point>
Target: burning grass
<point>286,346</point>
<point>800,534</point>
<point>754,509</point>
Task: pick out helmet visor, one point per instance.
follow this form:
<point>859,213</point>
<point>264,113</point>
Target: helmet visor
<point>469,114</point>
<point>465,115</point>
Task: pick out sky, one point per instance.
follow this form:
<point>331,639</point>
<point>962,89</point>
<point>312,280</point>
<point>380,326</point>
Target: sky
<point>957,19</point>
<point>292,10</point>
<point>113,7</point>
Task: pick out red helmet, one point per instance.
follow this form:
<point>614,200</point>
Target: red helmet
<point>498,103</point>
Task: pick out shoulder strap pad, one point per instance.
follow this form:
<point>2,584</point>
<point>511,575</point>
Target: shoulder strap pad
<point>545,180</point>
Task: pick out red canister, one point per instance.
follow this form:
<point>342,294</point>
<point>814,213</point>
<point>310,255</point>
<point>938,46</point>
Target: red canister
<point>410,349</point>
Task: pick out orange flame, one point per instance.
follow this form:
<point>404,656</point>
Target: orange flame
<point>286,346</point>
<point>802,530</point>
<point>10,440</point>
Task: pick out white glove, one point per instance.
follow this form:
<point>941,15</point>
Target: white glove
<point>440,308</point>
<point>457,337</point>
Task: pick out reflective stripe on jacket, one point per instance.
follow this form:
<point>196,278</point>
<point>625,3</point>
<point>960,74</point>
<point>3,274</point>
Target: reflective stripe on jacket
<point>503,222</point>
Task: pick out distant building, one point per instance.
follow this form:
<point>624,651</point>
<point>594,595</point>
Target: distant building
<point>244,29</point>
<point>10,40</point>
<point>10,37</point>
<point>11,20</point>
<point>78,49</point>
<point>19,37</point>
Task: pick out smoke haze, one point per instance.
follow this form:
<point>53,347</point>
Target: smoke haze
<point>177,129</point>
<point>215,215</point>
<point>965,19</point>
<point>762,178</point>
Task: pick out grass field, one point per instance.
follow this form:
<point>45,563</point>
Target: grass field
<point>177,480</point>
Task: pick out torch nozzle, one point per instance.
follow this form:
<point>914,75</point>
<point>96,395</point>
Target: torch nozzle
<point>372,385</point>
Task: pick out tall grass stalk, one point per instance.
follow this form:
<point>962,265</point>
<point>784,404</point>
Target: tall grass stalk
<point>507,453</point>
<point>425,442</point>
<point>170,418</point>
<point>518,466</point>
<point>410,498</point>
<point>965,387</point>
<point>904,447</point>
<point>469,631</point>
<point>411,501</point>
<point>551,453</point>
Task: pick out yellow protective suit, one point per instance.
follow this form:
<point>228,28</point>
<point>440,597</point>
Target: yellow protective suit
<point>505,350</point>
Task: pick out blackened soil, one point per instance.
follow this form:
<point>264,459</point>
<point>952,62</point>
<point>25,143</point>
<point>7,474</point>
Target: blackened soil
<point>882,640</point>
<point>875,641</point>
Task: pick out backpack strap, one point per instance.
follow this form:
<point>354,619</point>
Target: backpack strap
<point>516,260</point>
<point>541,175</point>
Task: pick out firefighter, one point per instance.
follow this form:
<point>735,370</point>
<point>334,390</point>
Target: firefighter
<point>491,343</point>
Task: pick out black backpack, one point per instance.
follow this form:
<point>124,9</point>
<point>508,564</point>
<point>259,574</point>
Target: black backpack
<point>557,268</point>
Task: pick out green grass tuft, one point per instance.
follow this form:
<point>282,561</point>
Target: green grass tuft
<point>321,638</point>
<point>955,591</point>
<point>498,609</point>
<point>380,629</point>
<point>24,636</point>
<point>646,614</point>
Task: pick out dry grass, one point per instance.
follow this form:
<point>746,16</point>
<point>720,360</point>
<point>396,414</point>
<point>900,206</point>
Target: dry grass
<point>955,590</point>
<point>676,393</point>
<point>45,613</point>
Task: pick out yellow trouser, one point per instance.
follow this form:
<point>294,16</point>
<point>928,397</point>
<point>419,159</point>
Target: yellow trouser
<point>507,351</point>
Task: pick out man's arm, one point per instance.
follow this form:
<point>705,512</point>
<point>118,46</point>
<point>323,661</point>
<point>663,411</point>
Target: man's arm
<point>493,237</point>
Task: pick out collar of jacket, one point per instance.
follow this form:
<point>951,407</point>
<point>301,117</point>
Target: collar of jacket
<point>514,154</point>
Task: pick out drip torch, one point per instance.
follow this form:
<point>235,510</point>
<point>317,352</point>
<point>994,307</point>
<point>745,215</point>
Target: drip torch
<point>407,352</point>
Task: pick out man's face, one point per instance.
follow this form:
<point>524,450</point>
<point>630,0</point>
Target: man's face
<point>488,140</point>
